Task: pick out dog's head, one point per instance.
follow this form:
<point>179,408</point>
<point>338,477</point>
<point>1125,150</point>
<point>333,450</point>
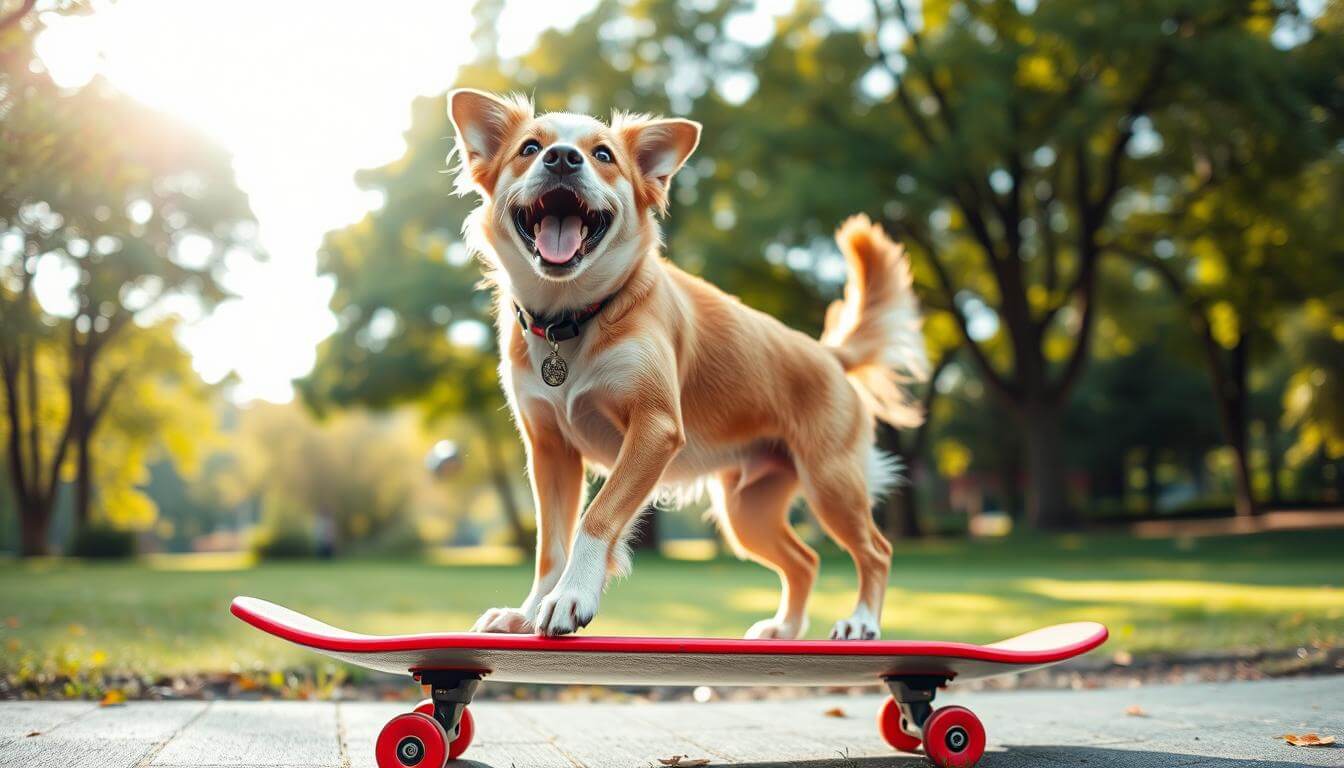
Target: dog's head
<point>567,200</point>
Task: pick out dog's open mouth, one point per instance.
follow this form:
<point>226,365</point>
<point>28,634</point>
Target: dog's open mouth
<point>560,229</point>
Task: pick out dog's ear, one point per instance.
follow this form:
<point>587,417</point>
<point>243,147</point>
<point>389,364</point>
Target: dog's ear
<point>483,123</point>
<point>659,148</point>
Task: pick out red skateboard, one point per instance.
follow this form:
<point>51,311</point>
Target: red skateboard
<point>453,665</point>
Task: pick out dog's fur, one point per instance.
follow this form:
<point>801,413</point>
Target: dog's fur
<point>674,381</point>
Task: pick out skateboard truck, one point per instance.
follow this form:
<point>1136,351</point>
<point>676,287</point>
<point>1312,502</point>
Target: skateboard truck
<point>950,736</point>
<point>450,692</point>
<point>914,696</point>
<point>437,730</point>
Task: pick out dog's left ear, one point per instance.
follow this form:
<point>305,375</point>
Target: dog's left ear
<point>659,148</point>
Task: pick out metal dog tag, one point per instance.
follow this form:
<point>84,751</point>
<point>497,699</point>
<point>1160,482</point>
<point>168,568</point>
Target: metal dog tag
<point>554,370</point>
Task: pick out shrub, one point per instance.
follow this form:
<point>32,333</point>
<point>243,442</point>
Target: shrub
<point>103,542</point>
<point>287,544</point>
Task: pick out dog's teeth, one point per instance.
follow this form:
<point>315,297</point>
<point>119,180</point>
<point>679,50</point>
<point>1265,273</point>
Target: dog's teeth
<point>536,231</point>
<point>583,232</point>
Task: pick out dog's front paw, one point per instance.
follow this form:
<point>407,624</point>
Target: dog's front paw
<point>775,629</point>
<point>565,611</point>
<point>860,626</point>
<point>507,620</point>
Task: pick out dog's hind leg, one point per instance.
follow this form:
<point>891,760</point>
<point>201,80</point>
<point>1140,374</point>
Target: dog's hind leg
<point>837,490</point>
<point>755,520</point>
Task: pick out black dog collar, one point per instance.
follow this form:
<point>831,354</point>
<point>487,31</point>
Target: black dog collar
<point>561,327</point>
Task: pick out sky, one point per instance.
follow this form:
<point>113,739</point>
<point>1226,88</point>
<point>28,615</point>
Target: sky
<point>302,93</point>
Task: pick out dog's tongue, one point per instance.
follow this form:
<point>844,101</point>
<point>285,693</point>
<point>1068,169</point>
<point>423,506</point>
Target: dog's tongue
<point>557,240</point>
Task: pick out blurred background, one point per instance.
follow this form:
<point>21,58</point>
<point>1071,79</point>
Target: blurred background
<point>244,349</point>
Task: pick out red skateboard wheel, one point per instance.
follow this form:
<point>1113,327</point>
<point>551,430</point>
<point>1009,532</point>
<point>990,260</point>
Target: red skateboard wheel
<point>889,725</point>
<point>466,728</point>
<point>954,738</point>
<point>412,740</point>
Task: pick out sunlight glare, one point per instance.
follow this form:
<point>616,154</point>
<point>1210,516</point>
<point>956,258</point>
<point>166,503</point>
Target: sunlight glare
<point>302,94</point>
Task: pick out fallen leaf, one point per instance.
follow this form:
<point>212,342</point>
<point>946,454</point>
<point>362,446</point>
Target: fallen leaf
<point>1308,740</point>
<point>112,699</point>
<point>835,712</point>
<point>31,734</point>
<point>682,761</point>
<point>1134,710</point>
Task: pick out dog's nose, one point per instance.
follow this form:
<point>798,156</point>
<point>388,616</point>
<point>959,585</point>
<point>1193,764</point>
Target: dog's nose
<point>562,159</point>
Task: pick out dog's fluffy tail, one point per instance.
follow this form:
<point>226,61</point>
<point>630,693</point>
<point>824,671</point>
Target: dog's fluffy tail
<point>875,329</point>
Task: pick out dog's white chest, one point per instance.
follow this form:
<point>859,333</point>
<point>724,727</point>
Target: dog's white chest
<point>575,406</point>
<point>573,403</point>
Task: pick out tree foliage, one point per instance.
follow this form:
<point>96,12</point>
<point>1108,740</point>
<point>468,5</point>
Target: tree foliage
<point>1025,153</point>
<point>114,220</point>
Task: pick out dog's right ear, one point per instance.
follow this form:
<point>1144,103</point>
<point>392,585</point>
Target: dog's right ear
<point>483,123</point>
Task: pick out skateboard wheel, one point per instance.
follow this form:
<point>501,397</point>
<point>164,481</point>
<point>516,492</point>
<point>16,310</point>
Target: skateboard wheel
<point>889,725</point>
<point>412,740</point>
<point>954,738</point>
<point>466,728</point>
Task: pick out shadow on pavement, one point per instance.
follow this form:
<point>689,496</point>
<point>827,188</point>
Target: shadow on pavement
<point>1045,757</point>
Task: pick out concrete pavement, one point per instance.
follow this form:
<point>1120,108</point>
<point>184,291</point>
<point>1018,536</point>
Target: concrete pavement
<point>1223,725</point>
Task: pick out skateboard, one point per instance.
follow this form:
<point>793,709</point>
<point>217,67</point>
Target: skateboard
<point>452,665</point>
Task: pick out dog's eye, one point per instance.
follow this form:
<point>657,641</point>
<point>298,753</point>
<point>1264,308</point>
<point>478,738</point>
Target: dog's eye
<point>603,154</point>
<point>530,147</point>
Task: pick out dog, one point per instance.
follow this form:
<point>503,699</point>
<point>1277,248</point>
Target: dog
<point>615,360</point>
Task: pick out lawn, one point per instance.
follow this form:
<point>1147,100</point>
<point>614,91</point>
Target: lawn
<point>1266,591</point>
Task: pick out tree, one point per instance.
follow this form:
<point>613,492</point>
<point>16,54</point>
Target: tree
<point>414,324</point>
<point>1000,153</point>
<point>1313,401</point>
<point>1012,148</point>
<point>1250,244</point>
<point>1028,122</point>
<point>114,219</point>
<point>350,481</point>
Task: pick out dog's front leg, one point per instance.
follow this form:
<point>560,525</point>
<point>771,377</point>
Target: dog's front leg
<point>556,471</point>
<point>653,435</point>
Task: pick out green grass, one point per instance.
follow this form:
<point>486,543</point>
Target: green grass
<point>1266,591</point>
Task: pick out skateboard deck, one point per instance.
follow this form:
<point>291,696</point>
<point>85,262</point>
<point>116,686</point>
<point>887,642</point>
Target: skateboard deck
<point>673,660</point>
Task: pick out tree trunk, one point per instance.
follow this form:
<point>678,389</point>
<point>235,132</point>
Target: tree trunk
<point>508,500</point>
<point>1234,403</point>
<point>903,510</point>
<point>1241,475</point>
<point>83,478</point>
<point>34,528</point>
<point>1150,486</point>
<point>1275,459</point>
<point>1047,478</point>
<point>899,512</point>
<point>1009,470</point>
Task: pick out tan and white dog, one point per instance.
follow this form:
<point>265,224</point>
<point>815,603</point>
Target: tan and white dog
<point>616,360</point>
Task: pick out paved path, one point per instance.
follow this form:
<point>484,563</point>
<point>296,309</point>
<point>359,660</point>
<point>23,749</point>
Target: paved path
<point>1211,726</point>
